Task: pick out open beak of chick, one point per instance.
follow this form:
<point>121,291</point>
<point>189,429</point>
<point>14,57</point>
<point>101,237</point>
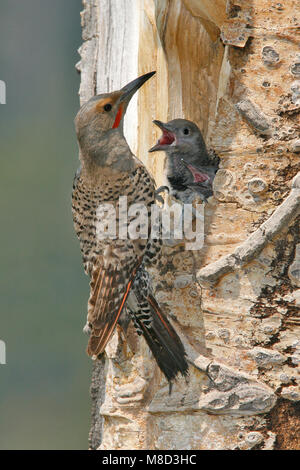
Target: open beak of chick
<point>167,139</point>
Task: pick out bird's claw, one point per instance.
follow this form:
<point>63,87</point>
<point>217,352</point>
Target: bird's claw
<point>159,190</point>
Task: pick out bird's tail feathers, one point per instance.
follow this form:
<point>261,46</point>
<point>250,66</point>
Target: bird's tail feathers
<point>164,342</point>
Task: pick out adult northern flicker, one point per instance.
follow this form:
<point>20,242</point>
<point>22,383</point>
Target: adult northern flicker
<point>185,149</point>
<point>117,265</point>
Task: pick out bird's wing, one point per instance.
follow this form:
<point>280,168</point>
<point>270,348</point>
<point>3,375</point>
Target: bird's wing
<point>110,287</point>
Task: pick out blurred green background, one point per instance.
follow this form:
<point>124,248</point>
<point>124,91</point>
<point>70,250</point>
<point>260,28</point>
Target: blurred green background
<point>44,387</point>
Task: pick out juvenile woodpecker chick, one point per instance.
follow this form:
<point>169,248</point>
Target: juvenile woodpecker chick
<point>184,145</point>
<point>117,265</point>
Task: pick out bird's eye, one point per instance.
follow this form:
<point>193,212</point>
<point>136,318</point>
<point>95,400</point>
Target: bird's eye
<point>186,131</point>
<point>107,107</point>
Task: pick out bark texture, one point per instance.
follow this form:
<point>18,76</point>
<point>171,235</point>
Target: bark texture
<point>233,67</point>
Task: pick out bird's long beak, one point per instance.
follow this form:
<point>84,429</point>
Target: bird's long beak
<point>126,93</point>
<point>166,139</point>
<point>129,90</point>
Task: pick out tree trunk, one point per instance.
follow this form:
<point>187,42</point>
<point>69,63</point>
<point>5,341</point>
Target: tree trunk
<point>232,67</point>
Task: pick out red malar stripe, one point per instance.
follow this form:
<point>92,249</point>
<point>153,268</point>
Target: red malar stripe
<point>118,117</point>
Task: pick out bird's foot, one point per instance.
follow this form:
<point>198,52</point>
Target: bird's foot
<point>159,190</point>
